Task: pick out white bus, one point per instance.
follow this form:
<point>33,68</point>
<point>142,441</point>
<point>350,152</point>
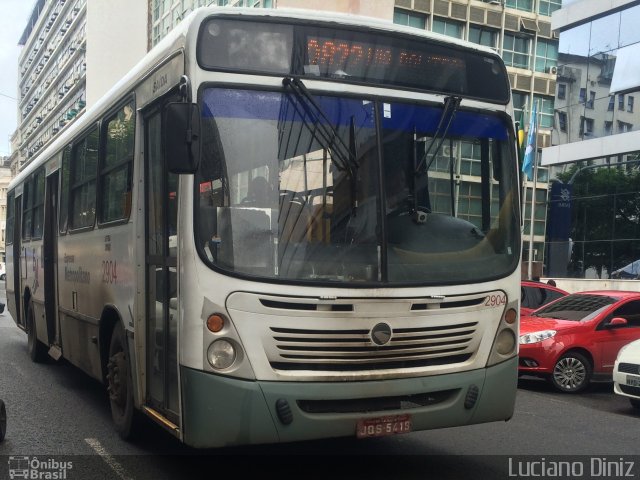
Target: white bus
<point>282,226</point>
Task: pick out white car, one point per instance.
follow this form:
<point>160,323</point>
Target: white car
<point>626,373</point>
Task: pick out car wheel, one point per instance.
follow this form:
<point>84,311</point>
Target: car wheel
<point>3,421</point>
<point>37,350</point>
<point>120,385</point>
<point>571,373</point>
<point>3,276</point>
<point>635,403</point>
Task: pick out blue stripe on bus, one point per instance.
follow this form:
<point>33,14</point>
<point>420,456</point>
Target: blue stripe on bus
<point>261,105</point>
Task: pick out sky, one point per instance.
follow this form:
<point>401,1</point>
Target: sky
<point>13,19</point>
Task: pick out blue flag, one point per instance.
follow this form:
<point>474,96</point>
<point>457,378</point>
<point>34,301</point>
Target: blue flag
<point>530,152</point>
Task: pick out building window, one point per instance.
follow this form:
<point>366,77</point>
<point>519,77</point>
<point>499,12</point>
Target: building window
<point>562,91</point>
<point>562,121</point>
<point>608,127</point>
<point>515,51</point>
<point>592,100</point>
<point>612,101</point>
<point>621,102</point>
<point>526,5</point>
<point>546,55</point>
<point>447,27</point>
<point>624,127</point>
<point>547,7</point>
<point>588,127</point>
<point>583,95</point>
<point>545,110</point>
<point>483,36</point>
<point>409,19</point>
<point>519,104</point>
<point>470,158</point>
<point>630,104</point>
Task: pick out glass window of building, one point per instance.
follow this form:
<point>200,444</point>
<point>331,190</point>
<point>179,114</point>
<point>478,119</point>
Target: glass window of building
<point>562,91</point>
<point>448,27</point>
<point>624,127</point>
<point>483,36</point>
<point>562,121</point>
<point>545,110</point>
<point>612,102</point>
<point>526,5</point>
<point>547,7</point>
<point>546,55</point>
<point>630,104</point>
<point>608,127</point>
<point>519,104</point>
<point>588,127</point>
<point>410,19</point>
<point>515,51</point>
<point>621,102</point>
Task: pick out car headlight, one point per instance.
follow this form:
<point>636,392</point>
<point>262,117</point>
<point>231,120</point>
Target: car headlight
<point>536,337</point>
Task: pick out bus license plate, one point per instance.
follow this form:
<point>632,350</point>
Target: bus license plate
<point>633,381</point>
<point>381,426</point>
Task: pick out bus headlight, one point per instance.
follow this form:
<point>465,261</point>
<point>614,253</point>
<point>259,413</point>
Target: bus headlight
<point>505,342</point>
<point>221,354</point>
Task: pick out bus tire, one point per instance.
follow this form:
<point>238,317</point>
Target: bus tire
<point>37,350</point>
<point>120,385</point>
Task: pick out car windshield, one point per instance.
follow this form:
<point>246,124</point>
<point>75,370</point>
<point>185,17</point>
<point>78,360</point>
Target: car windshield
<point>576,307</point>
<point>316,188</point>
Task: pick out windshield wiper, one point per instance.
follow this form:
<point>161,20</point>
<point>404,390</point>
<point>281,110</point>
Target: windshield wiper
<point>329,134</point>
<point>345,155</point>
<point>451,105</point>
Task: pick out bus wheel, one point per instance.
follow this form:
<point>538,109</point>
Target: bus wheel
<point>37,350</point>
<point>120,385</point>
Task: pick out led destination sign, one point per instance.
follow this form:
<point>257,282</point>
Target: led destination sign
<point>351,55</point>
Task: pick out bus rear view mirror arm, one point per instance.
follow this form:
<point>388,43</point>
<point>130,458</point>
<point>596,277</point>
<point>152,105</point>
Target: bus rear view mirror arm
<point>181,137</point>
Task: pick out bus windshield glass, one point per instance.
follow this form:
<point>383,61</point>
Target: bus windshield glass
<point>319,188</point>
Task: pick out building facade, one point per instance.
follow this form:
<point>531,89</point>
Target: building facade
<point>73,52</point>
<point>595,152</point>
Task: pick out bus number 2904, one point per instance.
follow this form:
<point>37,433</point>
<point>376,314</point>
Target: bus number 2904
<point>495,300</point>
<point>109,271</point>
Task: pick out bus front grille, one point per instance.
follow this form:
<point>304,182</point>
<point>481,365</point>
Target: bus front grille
<point>355,350</point>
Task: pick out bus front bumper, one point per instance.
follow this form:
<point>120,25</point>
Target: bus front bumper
<point>222,411</point>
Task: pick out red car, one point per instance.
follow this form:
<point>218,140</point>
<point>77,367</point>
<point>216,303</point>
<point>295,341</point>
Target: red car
<point>537,294</point>
<point>576,338</point>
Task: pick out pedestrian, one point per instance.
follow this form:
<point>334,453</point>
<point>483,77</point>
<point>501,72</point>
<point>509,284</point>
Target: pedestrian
<point>551,282</point>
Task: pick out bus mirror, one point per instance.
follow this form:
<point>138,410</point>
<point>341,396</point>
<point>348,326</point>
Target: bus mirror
<point>181,137</point>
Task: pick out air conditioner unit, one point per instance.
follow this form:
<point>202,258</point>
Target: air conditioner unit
<point>446,151</point>
<point>552,70</point>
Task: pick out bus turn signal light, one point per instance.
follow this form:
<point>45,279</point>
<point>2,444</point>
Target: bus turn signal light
<point>511,316</point>
<point>215,322</point>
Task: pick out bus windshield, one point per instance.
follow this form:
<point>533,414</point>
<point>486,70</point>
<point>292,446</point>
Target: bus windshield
<point>327,188</point>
